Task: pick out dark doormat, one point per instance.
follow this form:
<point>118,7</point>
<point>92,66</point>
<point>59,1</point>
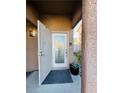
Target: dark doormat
<point>58,77</point>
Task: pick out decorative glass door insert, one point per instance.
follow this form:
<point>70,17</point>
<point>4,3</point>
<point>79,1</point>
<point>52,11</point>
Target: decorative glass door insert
<point>59,49</point>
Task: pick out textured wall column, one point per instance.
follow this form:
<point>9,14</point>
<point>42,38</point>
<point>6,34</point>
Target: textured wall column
<point>89,47</point>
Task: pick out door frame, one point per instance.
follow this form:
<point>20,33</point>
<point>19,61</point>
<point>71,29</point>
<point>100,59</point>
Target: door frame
<point>53,50</point>
<point>67,59</point>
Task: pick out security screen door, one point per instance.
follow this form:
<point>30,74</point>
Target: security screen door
<point>59,49</point>
<point>44,52</point>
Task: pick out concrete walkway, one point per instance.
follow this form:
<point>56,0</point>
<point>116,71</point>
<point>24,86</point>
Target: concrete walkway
<point>32,85</point>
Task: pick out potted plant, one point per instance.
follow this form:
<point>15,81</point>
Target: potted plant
<point>75,67</point>
<point>77,55</point>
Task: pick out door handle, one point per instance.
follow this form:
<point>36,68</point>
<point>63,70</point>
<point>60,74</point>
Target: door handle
<point>66,52</point>
<point>41,53</point>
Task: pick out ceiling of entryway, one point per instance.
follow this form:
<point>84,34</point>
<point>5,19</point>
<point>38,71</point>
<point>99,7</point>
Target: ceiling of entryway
<point>61,7</point>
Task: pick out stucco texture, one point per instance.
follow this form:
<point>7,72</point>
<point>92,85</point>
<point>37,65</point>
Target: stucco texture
<point>89,64</point>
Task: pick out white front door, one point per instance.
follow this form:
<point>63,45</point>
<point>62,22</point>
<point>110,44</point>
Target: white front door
<point>44,52</point>
<point>59,50</point>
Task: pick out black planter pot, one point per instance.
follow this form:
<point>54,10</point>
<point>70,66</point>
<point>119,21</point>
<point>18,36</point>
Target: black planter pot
<point>74,69</point>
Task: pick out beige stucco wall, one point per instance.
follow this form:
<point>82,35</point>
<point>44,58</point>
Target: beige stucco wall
<point>56,22</point>
<point>89,63</point>
<point>31,42</point>
<point>31,14</point>
<point>31,53</point>
<point>77,15</point>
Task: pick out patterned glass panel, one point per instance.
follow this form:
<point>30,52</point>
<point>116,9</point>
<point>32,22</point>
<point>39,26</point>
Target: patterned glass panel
<point>59,49</point>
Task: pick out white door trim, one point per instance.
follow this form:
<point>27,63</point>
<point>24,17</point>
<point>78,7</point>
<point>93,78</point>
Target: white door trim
<point>66,65</point>
<point>53,48</point>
